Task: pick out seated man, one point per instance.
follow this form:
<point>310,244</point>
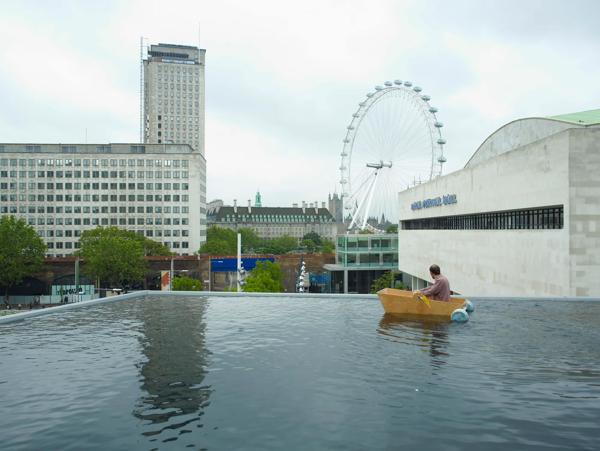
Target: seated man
<point>440,290</point>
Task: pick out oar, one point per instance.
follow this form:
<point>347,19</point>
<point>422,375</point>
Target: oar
<point>423,298</point>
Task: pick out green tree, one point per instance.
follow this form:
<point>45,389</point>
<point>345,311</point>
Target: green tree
<point>314,237</point>
<point>266,277</point>
<point>309,244</point>
<point>250,240</point>
<point>327,246</point>
<point>112,256</point>
<point>386,280</point>
<point>184,283</point>
<point>392,228</point>
<point>21,252</point>
<point>280,245</point>
<point>219,241</point>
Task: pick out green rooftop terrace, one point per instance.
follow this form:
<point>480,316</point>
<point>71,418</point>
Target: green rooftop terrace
<point>590,117</point>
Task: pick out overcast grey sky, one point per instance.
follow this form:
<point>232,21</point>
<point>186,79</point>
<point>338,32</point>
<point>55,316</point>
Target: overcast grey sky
<point>283,78</point>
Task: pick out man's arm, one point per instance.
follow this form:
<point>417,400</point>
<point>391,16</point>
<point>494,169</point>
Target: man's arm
<point>432,290</point>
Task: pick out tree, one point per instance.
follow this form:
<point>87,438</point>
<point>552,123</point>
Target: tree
<point>309,244</point>
<point>266,277</point>
<point>184,283</point>
<point>392,228</point>
<point>112,255</point>
<point>21,252</point>
<point>281,245</point>
<point>327,246</point>
<point>250,240</point>
<point>386,280</point>
<point>314,237</point>
<point>219,241</point>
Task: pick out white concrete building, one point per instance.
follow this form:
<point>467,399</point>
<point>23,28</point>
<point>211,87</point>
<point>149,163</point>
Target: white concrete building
<point>174,97</point>
<point>61,190</point>
<point>521,219</point>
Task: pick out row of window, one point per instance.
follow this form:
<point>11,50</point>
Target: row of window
<point>32,162</point>
<point>96,174</point>
<point>48,186</point>
<point>530,218</point>
<point>77,232</point>
<point>76,245</point>
<point>106,148</point>
<point>93,198</point>
<point>51,209</point>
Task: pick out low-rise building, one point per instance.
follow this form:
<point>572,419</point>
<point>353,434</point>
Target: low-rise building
<point>274,222</point>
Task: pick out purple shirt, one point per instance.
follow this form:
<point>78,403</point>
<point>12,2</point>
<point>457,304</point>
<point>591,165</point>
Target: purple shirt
<point>439,291</point>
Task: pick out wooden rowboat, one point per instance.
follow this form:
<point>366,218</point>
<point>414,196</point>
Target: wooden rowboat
<point>402,302</point>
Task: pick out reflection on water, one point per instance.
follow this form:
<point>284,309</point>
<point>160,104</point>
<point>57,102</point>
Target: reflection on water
<point>173,397</point>
<point>428,334</point>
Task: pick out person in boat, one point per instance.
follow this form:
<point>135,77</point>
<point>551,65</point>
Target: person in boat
<point>440,290</point>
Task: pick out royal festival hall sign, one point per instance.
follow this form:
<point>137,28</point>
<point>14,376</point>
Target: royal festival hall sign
<point>447,199</point>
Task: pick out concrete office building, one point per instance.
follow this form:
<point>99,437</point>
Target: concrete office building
<point>521,219</point>
<point>173,112</point>
<point>61,190</point>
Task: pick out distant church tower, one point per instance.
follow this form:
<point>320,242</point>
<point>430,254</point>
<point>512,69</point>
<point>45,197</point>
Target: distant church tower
<point>257,202</point>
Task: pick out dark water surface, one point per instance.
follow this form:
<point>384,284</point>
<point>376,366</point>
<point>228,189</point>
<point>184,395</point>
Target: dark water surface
<point>308,374</point>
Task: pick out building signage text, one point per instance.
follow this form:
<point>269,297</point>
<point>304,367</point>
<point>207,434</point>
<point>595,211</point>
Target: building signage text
<point>446,199</point>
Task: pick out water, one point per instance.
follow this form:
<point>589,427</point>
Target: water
<point>288,373</point>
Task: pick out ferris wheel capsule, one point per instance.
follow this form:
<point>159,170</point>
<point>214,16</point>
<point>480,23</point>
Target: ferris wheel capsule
<point>417,89</point>
<point>388,83</point>
<point>370,94</point>
<point>442,159</point>
<point>408,84</point>
<point>398,82</point>
<point>378,88</point>
<point>433,110</point>
<point>441,141</point>
<point>350,127</point>
<point>356,115</point>
<point>426,97</point>
<point>344,154</point>
<point>439,124</point>
<point>346,140</point>
<point>361,104</point>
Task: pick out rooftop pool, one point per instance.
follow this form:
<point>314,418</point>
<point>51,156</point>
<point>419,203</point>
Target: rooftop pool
<point>287,373</point>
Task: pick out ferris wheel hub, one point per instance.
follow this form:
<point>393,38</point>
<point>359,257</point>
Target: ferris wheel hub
<point>380,165</point>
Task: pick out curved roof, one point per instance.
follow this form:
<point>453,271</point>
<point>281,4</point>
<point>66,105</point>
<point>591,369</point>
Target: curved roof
<point>521,132</point>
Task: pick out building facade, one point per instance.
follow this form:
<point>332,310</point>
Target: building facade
<point>360,259</point>
<point>274,222</point>
<point>62,190</point>
<point>521,219</point>
<point>174,93</point>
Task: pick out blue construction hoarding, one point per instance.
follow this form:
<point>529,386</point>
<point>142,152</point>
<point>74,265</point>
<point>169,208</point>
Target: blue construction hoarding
<point>230,264</point>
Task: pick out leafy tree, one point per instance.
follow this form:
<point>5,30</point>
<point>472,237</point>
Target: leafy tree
<point>327,246</point>
<point>280,245</point>
<point>219,241</point>
<point>112,256</point>
<point>250,240</point>
<point>309,244</point>
<point>386,280</point>
<point>314,237</point>
<point>21,252</point>
<point>392,228</point>
<point>184,283</point>
<point>266,277</point>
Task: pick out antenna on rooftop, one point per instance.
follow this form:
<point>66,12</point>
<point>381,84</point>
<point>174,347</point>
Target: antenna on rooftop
<point>142,47</point>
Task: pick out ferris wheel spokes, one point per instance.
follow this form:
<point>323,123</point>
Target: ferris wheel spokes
<point>369,192</point>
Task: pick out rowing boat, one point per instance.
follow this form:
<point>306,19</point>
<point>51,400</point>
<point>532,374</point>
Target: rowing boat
<point>402,302</point>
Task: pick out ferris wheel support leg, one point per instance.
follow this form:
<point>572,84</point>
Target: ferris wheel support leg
<point>356,213</point>
<point>368,207</point>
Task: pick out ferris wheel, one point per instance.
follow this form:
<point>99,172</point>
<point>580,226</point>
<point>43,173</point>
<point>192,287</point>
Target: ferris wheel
<point>394,141</point>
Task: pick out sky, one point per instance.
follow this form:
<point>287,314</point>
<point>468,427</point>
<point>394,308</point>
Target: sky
<point>283,78</point>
